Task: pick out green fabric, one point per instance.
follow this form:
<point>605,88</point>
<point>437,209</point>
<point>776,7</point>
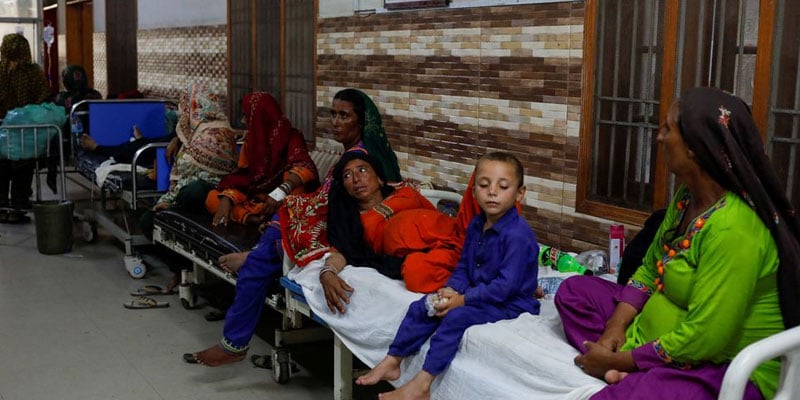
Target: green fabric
<point>720,294</point>
<point>21,81</point>
<point>376,142</point>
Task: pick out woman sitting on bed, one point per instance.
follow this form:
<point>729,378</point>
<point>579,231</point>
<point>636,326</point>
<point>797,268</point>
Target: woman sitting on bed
<point>397,231</point>
<point>721,274</point>
<point>273,163</point>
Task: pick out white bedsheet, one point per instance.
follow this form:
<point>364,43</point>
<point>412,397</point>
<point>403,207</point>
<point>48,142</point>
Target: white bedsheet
<point>524,358</point>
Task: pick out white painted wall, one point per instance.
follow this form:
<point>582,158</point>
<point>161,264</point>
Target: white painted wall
<point>343,8</point>
<point>99,15</point>
<point>180,13</point>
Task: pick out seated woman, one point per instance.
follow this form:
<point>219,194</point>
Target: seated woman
<point>721,273</point>
<point>273,163</point>
<point>299,228</point>
<point>394,230</point>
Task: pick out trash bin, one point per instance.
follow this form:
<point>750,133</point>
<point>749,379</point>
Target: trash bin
<point>53,226</point>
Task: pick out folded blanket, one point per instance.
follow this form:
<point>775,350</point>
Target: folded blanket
<point>524,358</point>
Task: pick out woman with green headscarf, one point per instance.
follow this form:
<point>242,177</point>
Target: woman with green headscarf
<point>22,82</point>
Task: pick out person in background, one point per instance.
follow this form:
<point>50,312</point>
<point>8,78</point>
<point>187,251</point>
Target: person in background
<point>723,271</point>
<point>273,163</point>
<point>495,280</point>
<point>22,82</point>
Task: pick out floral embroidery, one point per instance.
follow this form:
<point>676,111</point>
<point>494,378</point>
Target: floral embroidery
<point>384,210</point>
<point>640,286</point>
<point>724,116</point>
<point>663,355</point>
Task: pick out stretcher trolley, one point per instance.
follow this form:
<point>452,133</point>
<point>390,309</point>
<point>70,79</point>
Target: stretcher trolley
<point>120,189</point>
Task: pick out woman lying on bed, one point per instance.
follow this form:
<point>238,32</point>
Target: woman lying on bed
<point>397,231</point>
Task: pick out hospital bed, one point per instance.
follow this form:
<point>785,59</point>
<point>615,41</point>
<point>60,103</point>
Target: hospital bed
<point>110,123</point>
<point>193,237</point>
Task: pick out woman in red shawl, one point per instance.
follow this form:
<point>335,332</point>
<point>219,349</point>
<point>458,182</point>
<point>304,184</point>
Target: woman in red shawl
<point>273,163</point>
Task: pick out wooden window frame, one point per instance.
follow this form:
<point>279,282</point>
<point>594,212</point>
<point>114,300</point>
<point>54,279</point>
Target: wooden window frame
<point>661,182</point>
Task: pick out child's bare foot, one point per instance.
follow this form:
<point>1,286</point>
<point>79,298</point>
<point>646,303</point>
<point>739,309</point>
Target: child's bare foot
<point>214,356</point>
<point>233,261</point>
<point>87,143</point>
<point>614,376</point>
<point>418,388</point>
<point>386,370</point>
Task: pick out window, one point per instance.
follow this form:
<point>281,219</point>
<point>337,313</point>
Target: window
<point>640,55</point>
<point>272,47</point>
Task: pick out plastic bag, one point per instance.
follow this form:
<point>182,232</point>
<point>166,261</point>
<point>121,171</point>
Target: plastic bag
<point>20,144</point>
<point>595,260</point>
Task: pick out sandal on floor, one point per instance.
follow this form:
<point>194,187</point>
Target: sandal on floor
<point>260,361</point>
<point>214,315</point>
<point>190,358</point>
<point>151,290</point>
<point>143,302</point>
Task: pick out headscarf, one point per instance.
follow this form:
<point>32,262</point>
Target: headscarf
<point>718,127</point>
<point>267,144</point>
<point>22,82</point>
<point>303,218</point>
<point>77,87</point>
<point>376,142</point>
<point>205,132</point>
<point>345,231</point>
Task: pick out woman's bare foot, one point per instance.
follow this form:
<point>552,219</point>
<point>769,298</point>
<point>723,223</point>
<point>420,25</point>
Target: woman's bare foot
<point>214,356</point>
<point>418,388</point>
<point>614,376</point>
<point>87,143</point>
<point>173,283</point>
<point>386,370</point>
<point>233,261</point>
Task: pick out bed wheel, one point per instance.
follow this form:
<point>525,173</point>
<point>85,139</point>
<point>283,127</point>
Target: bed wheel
<point>135,266</point>
<point>280,366</point>
<point>88,232</point>
<point>187,295</point>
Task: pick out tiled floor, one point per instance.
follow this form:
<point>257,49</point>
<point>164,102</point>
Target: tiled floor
<point>65,335</point>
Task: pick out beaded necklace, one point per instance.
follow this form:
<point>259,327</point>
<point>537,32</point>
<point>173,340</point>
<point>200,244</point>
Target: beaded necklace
<point>670,250</point>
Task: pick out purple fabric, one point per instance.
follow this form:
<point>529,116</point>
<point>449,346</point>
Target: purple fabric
<point>585,303</point>
<point>632,296</point>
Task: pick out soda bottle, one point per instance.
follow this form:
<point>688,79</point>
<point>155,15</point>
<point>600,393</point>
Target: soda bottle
<point>560,261</point>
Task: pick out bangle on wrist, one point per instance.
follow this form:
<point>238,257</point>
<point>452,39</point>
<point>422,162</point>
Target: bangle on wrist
<point>278,194</point>
<point>327,269</point>
<point>286,187</point>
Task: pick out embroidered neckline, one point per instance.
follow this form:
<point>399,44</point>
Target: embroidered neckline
<point>670,249</point>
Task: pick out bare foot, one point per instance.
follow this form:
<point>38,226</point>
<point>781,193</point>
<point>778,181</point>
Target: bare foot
<point>386,370</point>
<point>173,283</point>
<point>214,356</point>
<point>87,143</point>
<point>418,388</point>
<point>137,134</point>
<point>233,261</point>
<point>614,376</point>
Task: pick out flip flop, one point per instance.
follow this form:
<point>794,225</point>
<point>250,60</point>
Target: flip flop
<point>143,302</point>
<point>190,358</point>
<point>151,290</point>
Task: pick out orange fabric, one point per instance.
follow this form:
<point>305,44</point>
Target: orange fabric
<point>420,233</point>
<point>243,206</point>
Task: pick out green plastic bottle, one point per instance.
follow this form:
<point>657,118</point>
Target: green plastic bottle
<point>560,261</point>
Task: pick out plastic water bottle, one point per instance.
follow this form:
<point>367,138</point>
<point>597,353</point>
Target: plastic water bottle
<point>76,126</point>
<point>560,261</point>
<point>431,301</point>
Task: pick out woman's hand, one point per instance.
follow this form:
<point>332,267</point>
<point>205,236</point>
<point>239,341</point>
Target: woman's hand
<point>612,338</point>
<point>172,150</point>
<point>598,360</point>
<point>337,292</point>
<point>223,214</point>
<point>270,208</point>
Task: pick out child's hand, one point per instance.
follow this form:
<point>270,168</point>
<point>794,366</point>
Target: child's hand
<point>449,301</point>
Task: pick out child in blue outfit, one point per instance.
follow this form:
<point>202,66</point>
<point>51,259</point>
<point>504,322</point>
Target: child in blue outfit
<point>495,279</point>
